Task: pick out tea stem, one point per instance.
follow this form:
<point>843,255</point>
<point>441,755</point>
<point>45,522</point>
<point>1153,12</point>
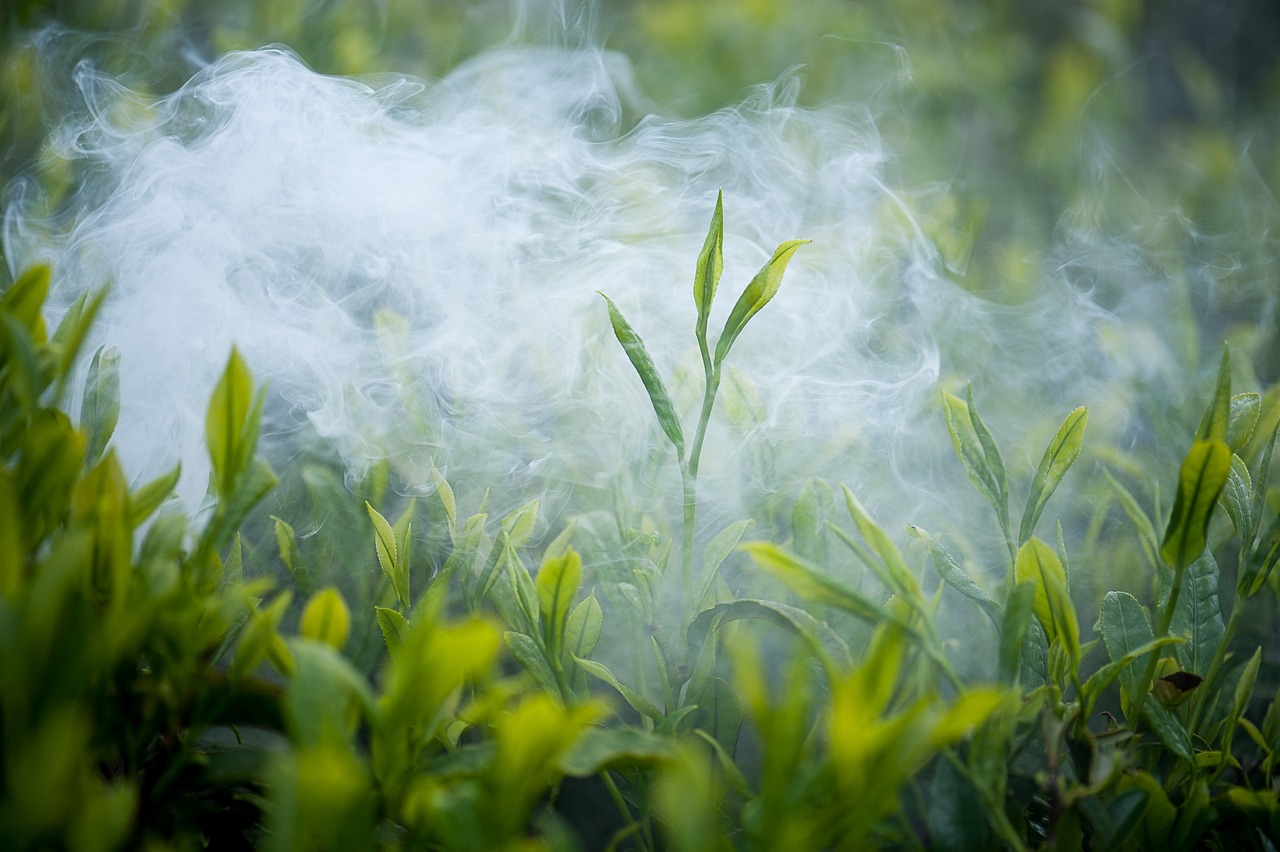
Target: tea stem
<point>1166,619</point>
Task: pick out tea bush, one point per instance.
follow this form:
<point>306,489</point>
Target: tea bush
<point>158,691</point>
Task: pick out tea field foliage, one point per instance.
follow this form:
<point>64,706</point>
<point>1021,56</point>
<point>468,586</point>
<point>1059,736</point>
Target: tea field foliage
<point>316,661</point>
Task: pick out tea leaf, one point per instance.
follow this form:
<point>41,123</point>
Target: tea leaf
<point>25,297</point>
<point>1246,408</point>
<point>1237,500</point>
<point>1103,677</point>
<point>1141,521</point>
<point>896,573</point>
<point>394,628</point>
<point>231,425</point>
<point>720,713</point>
<point>955,577</point>
<point>1014,626</point>
<point>100,406</point>
<point>972,452</point>
<point>639,357</point>
<point>710,265</point>
<point>638,702</point>
<point>1217,417</point>
<point>600,748</point>
<point>1061,453</point>
<point>557,584</point>
<point>144,501</point>
<point>531,657</point>
<point>1197,616</point>
<point>1203,475</point>
<point>445,493</point>
<point>583,627</point>
<point>1125,628</point>
<point>1167,728</point>
<point>763,287</point>
<point>519,525</point>
<point>1037,563</point>
<point>716,551</point>
<point>326,618</point>
<point>824,643</point>
<point>384,545</point>
<point>810,582</point>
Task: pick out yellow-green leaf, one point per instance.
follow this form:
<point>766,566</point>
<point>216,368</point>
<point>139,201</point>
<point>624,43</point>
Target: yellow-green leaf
<point>326,618</point>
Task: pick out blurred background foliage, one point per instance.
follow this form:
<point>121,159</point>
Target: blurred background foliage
<point>1048,130</point>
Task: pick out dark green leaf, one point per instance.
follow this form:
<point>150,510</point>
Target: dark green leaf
<point>531,657</point>
<point>1014,626</point>
<point>1197,616</point>
<point>637,701</point>
<point>1125,628</point>
<point>1167,728</point>
<point>1204,473</point>
<point>600,748</point>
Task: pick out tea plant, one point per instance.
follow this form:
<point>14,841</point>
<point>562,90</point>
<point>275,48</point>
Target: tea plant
<point>154,692</point>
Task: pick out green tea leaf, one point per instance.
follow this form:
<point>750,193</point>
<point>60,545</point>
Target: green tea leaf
<point>394,628</point>
<point>1217,417</point>
<point>710,265</point>
<point>1167,728</point>
<point>326,618</point>
<point>1246,408</point>
<point>1061,453</point>
<point>720,713</point>
<point>955,577</point>
<point>896,573</point>
<point>1237,500</point>
<point>225,425</point>
<point>823,642</point>
<point>445,493</point>
<point>1203,475</point>
<point>144,502</point>
<point>1197,615</point>
<point>599,748</point>
<point>582,629</point>
<point>638,702</point>
<point>384,545</point>
<point>1141,521</point>
<point>1018,610</point>
<point>639,357</point>
<point>812,583</point>
<point>519,525</point>
<point>557,584</point>
<point>715,553</point>
<point>757,294</point>
<point>25,297</point>
<point>1125,628</point>
<point>100,406</point>
<point>1038,564</point>
<point>530,656</point>
<point>969,450</point>
<point>1102,678</point>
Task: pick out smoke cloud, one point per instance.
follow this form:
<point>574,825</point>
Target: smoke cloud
<point>412,268</point>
